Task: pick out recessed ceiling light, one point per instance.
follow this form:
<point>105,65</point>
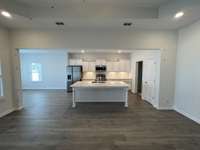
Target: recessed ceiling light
<point>6,14</point>
<point>127,23</point>
<point>119,51</point>
<point>60,23</point>
<point>82,51</point>
<point>179,14</point>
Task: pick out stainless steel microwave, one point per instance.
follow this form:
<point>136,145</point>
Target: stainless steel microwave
<point>100,68</point>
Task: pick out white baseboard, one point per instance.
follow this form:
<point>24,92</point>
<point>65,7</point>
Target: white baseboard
<point>187,115</point>
<point>48,88</point>
<point>10,111</point>
<point>19,108</point>
<point>6,113</point>
<point>164,108</point>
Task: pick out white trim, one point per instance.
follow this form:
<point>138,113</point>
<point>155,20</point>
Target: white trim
<point>6,113</point>
<point>19,108</point>
<point>164,108</point>
<point>187,115</point>
<point>10,111</point>
<point>142,55</point>
<point>43,88</point>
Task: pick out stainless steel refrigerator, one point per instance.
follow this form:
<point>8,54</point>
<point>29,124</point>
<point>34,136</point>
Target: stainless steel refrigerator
<point>74,74</point>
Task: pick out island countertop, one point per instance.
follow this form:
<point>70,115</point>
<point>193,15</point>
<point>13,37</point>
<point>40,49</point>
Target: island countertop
<point>107,84</point>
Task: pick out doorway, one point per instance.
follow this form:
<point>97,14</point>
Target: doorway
<point>139,74</point>
<point>39,74</point>
<point>146,70</point>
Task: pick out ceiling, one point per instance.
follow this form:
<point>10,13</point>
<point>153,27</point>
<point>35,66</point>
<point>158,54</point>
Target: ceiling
<point>60,3</point>
<point>145,14</point>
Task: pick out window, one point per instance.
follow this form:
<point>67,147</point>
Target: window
<point>1,81</point>
<point>36,72</point>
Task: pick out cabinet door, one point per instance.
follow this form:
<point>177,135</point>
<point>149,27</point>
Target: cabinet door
<point>78,62</point>
<point>85,66</point>
<point>113,66</point>
<point>100,62</point>
<point>116,66</point>
<point>124,66</point>
<point>109,66</point>
<point>72,62</point>
<point>75,62</point>
<point>127,66</point>
<point>91,66</point>
<point>121,66</point>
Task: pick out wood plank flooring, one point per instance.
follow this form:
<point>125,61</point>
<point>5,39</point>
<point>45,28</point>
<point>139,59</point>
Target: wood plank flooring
<point>49,123</point>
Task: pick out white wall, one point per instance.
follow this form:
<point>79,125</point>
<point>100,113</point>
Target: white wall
<point>107,39</point>
<point>187,95</point>
<point>53,70</point>
<point>6,104</point>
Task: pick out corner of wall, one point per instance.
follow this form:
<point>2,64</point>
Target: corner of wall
<point>197,120</point>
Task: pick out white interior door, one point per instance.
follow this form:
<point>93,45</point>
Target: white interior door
<point>148,81</point>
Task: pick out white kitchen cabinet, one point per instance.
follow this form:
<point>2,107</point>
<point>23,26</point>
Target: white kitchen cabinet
<point>75,62</point>
<point>109,65</point>
<point>118,66</point>
<point>100,62</point>
<point>88,66</point>
<point>124,66</point>
<point>85,66</point>
<point>112,66</point>
<point>91,66</point>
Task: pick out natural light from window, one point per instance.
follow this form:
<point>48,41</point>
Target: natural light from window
<point>36,72</point>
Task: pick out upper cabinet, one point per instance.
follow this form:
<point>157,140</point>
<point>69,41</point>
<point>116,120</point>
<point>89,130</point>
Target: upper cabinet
<point>75,62</point>
<point>125,65</point>
<point>122,65</point>
<point>88,66</point>
<point>113,66</point>
<point>118,66</point>
<point>100,62</point>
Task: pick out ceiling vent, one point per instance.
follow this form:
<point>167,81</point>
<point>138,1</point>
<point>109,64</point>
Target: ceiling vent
<point>60,23</point>
<point>127,24</point>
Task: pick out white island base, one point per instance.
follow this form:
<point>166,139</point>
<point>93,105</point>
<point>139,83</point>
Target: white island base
<point>100,92</point>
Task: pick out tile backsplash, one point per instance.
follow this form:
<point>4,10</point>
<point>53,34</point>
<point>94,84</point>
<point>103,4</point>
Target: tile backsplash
<point>109,75</point>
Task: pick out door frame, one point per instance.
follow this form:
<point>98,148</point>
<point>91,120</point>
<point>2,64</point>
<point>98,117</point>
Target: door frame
<point>17,80</point>
<point>136,76</point>
<point>16,75</point>
<point>142,55</point>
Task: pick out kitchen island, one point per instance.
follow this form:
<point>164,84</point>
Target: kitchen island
<point>109,91</point>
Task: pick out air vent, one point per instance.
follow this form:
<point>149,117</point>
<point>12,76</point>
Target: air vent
<point>127,24</point>
<point>60,23</point>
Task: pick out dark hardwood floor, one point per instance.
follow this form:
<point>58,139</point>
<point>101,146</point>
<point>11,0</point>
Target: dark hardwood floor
<point>49,123</point>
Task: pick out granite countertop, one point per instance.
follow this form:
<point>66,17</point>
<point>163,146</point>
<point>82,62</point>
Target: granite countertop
<point>107,84</point>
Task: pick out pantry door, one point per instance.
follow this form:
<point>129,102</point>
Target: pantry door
<point>148,81</point>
